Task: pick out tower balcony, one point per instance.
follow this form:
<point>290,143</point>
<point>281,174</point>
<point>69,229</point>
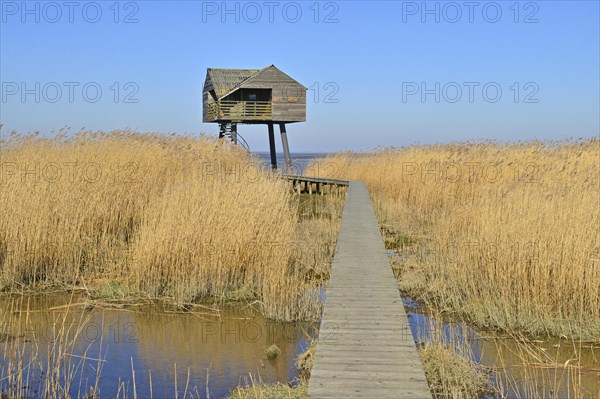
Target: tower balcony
<point>240,111</point>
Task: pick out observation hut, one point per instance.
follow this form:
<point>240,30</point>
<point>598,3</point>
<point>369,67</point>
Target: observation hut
<point>253,96</point>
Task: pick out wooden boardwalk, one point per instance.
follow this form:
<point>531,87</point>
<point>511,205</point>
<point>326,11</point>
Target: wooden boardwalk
<point>365,347</point>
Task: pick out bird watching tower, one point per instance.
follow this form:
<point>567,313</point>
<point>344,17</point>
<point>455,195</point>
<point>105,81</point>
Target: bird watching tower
<point>253,96</point>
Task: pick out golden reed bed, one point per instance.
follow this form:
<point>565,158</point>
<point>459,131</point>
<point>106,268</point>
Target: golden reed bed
<point>506,234</point>
<point>173,217</point>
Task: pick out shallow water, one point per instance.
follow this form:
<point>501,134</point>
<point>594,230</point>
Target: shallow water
<point>220,349</point>
<point>560,366</point>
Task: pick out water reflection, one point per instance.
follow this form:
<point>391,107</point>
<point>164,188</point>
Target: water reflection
<point>220,349</point>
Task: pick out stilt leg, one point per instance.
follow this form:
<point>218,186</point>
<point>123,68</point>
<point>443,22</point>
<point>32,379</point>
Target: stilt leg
<point>234,133</point>
<point>286,148</point>
<point>272,147</point>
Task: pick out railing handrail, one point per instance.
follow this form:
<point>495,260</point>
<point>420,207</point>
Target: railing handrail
<point>242,102</point>
<point>240,109</point>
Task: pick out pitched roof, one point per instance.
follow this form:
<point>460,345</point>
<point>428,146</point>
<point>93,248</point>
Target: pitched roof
<point>224,80</point>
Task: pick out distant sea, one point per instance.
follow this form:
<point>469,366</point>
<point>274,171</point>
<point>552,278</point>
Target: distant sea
<point>299,160</point>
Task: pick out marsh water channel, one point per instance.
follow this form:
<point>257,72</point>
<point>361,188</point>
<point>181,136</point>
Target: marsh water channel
<point>166,352</point>
<point>204,352</point>
<point>518,367</point>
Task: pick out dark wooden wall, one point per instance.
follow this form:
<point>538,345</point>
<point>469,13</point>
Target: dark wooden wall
<point>206,98</point>
<point>289,97</point>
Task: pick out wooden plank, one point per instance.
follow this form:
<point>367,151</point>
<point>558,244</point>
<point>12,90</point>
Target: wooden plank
<point>365,347</point>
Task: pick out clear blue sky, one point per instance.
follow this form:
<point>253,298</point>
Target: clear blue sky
<point>374,58</point>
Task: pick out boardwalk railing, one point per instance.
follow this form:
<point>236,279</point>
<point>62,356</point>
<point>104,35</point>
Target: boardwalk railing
<point>310,185</point>
<point>365,347</point>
